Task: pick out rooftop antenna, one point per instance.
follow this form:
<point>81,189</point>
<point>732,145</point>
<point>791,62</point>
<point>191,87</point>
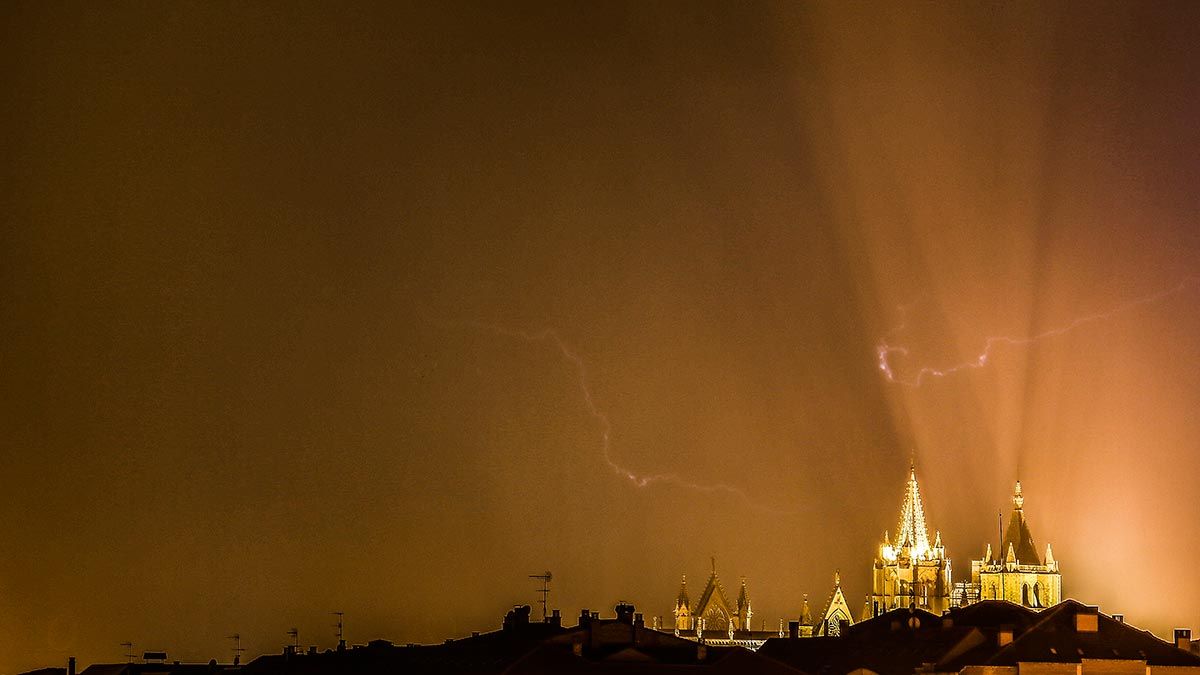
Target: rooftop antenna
<point>340,625</point>
<point>128,651</point>
<point>1000,531</point>
<point>545,590</point>
<point>294,633</point>
<point>237,647</point>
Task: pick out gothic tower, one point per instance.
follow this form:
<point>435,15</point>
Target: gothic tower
<point>909,571</point>
<point>1020,576</point>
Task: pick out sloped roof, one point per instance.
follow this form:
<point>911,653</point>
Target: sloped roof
<point>994,613</point>
<point>835,606</point>
<point>1017,536</point>
<point>912,531</point>
<point>893,643</point>
<point>743,596</point>
<point>1054,639</point>
<point>682,598</point>
<point>711,589</point>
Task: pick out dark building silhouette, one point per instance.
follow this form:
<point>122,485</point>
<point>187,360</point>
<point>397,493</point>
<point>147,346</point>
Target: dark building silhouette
<point>622,644</point>
<point>992,637</point>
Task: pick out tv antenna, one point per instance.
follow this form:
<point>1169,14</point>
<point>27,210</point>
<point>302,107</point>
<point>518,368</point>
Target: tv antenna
<point>128,651</point>
<point>294,633</point>
<point>545,589</point>
<point>237,647</point>
<point>340,625</point>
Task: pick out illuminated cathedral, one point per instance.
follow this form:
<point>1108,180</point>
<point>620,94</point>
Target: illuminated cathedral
<point>713,612</point>
<point>909,571</point>
<point>835,616</point>
<point>1017,574</point>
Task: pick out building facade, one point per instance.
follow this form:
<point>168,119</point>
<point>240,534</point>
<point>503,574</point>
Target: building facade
<point>712,612</point>
<point>836,615</point>
<point>1017,574</point>
<point>909,571</point>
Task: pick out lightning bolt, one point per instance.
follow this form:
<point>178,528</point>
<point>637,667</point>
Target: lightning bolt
<point>884,351</point>
<point>570,356</point>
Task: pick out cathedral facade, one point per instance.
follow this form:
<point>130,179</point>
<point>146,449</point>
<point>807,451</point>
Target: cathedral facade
<point>712,612</point>
<point>1017,574</point>
<point>836,614</point>
<point>909,571</point>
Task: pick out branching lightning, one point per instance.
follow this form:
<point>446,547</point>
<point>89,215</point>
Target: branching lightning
<point>550,337</point>
<point>885,351</point>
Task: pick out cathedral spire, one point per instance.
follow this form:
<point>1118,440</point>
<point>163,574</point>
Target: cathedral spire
<point>1017,533</point>
<point>743,604</point>
<point>682,600</point>
<point>912,533</point>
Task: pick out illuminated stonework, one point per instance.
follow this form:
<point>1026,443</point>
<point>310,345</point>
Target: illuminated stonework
<point>837,612</point>
<point>713,612</point>
<point>1020,577</point>
<point>909,571</point>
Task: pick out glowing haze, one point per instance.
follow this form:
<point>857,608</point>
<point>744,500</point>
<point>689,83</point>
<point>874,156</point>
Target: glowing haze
<point>380,310</point>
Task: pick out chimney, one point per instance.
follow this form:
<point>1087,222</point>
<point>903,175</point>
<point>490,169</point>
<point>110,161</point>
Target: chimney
<point>625,613</point>
<point>1119,618</point>
<point>843,625</point>
<point>517,618</point>
<point>312,650</point>
<point>793,629</point>
<point>585,617</point>
<point>1087,620</point>
<point>71,663</point>
<point>556,618</point>
<point>1183,639</point>
<point>639,621</point>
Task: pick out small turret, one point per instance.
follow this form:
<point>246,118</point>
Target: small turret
<point>1018,500</point>
<point>987,555</point>
<point>682,599</point>
<point>683,613</point>
<point>806,613</point>
<point>743,606</point>
<point>1010,559</point>
<point>1050,561</point>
